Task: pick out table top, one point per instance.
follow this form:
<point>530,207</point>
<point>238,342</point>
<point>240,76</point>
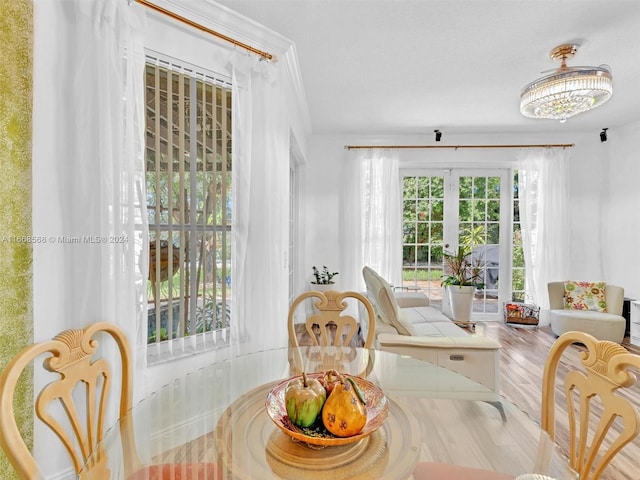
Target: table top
<point>217,415</point>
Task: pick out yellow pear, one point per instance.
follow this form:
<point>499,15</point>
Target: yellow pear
<point>344,413</point>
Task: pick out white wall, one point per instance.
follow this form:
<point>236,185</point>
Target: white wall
<point>605,228</point>
<point>620,223</point>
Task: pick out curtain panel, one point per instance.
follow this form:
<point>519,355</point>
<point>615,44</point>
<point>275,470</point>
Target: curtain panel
<point>90,259</point>
<point>90,168</point>
<point>259,280</point>
<point>543,189</point>
<point>371,216</point>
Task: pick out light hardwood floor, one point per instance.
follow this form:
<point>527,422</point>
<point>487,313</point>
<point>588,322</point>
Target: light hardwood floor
<point>523,354</point>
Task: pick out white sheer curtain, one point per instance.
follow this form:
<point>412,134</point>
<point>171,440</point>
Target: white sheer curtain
<point>89,199</point>
<point>259,280</point>
<point>89,207</point>
<point>543,190</point>
<point>371,222</point>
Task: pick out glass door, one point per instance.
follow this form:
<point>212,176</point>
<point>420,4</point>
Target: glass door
<point>446,209</point>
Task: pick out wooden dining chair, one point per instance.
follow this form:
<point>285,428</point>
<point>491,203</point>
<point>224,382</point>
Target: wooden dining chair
<point>334,328</point>
<point>600,421</point>
<point>74,356</point>
<point>83,384</point>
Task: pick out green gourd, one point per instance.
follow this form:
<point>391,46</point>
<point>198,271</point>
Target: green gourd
<point>304,398</point>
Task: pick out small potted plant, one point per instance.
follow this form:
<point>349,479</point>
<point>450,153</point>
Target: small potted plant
<point>463,274</point>
<point>323,279</point>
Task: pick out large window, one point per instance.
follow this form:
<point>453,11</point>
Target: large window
<point>188,173</point>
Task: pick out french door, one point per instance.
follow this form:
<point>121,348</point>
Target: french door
<point>444,209</point>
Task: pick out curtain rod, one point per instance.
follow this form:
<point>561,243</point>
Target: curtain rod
<point>175,16</point>
<point>551,145</point>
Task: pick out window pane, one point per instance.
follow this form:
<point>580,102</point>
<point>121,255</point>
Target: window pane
<point>409,233</point>
<point>188,176</point>
<point>479,187</point>
<point>423,185</point>
<point>409,187</point>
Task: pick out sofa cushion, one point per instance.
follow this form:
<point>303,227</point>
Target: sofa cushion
<point>422,315</point>
<point>585,315</point>
<point>603,326</point>
<point>585,296</point>
<point>438,329</point>
<point>424,321</point>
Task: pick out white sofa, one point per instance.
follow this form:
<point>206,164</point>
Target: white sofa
<point>407,324</point>
<point>609,325</point>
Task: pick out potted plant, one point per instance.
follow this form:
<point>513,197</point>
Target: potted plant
<point>323,279</point>
<point>463,274</point>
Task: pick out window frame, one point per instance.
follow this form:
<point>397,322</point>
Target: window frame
<point>184,343</point>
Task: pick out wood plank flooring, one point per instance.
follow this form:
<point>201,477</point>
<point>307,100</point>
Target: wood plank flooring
<point>523,354</point>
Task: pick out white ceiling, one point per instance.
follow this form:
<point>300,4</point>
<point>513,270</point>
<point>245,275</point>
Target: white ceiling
<point>385,67</point>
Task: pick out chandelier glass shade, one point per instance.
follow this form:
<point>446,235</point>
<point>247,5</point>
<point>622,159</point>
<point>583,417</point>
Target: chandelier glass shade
<point>568,91</point>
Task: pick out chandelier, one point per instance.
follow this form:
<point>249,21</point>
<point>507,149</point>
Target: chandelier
<point>568,90</point>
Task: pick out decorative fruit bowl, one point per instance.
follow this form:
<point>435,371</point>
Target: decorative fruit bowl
<point>376,407</point>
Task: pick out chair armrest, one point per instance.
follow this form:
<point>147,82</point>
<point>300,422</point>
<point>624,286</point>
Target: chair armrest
<point>475,342</point>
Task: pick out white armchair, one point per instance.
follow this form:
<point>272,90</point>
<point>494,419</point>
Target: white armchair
<point>603,325</point>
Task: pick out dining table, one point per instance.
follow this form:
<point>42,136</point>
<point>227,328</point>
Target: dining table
<point>230,419</point>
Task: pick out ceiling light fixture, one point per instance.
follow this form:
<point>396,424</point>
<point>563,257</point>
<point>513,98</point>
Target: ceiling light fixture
<point>568,90</point>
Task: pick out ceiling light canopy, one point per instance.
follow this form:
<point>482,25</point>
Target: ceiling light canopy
<point>567,91</point>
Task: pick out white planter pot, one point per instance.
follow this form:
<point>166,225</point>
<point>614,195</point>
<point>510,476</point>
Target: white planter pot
<point>322,287</point>
<point>461,301</point>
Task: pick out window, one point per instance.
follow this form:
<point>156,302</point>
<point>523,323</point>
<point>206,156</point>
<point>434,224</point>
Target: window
<point>188,180</point>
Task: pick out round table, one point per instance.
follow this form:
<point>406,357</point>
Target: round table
<point>217,416</point>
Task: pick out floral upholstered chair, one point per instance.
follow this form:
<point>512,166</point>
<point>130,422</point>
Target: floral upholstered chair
<point>591,307</point>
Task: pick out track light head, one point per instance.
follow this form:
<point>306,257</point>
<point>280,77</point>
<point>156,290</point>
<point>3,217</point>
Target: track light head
<point>603,135</point>
<point>438,135</point>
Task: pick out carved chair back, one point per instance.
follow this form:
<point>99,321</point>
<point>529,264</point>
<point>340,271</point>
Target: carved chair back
<point>600,420</point>
<point>75,357</point>
<point>329,316</point>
